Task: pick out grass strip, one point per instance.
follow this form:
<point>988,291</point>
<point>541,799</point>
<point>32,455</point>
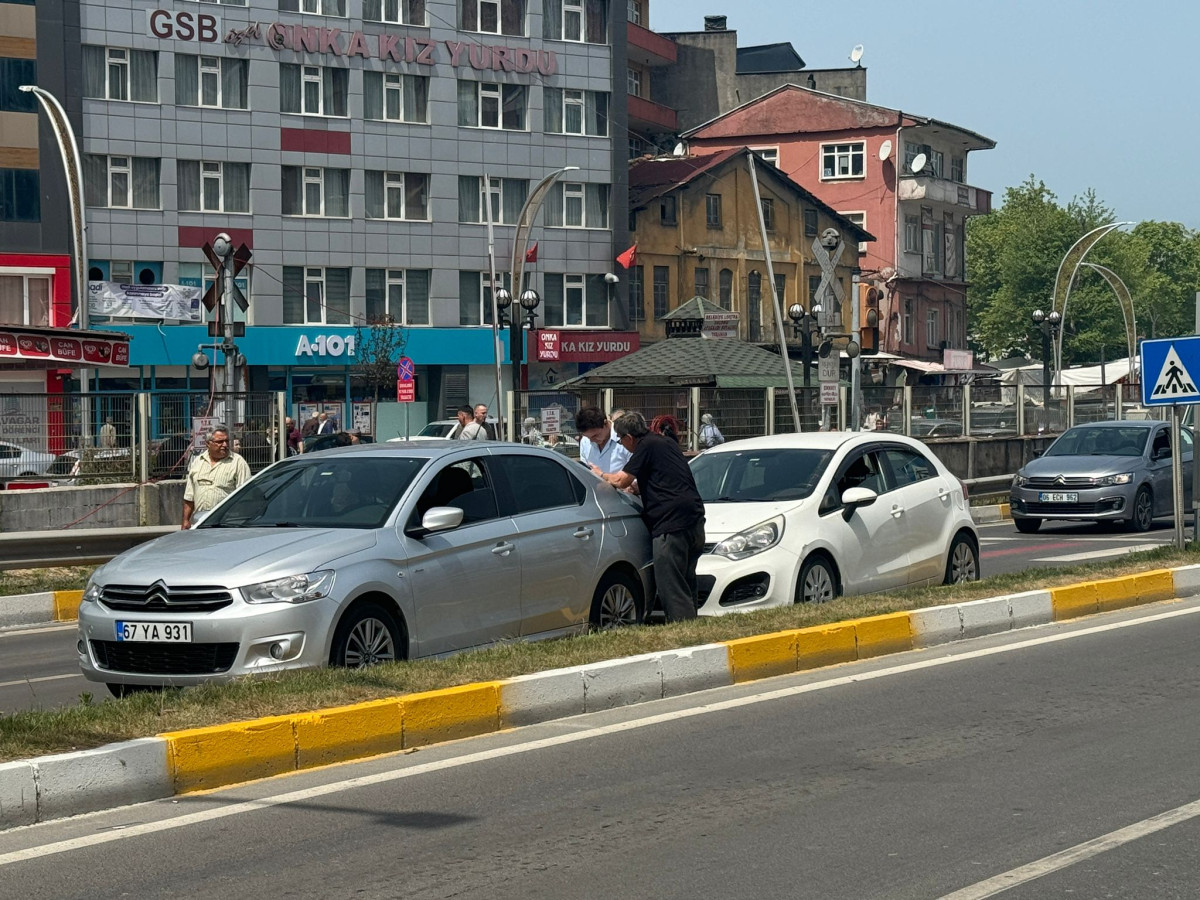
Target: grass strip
<point>93,722</point>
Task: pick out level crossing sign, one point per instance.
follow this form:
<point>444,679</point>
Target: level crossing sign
<point>1170,369</point>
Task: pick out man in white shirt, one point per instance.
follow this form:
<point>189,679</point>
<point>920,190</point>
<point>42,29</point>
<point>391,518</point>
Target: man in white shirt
<point>597,447</point>
<point>467,428</point>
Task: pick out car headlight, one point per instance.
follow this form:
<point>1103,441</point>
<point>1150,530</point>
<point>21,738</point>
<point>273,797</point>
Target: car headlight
<point>1020,480</point>
<point>1110,480</point>
<point>291,589</point>
<point>92,592</point>
<point>761,537</point>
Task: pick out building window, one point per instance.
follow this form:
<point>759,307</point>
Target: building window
<point>493,16</point>
<point>768,213</point>
<point>768,154</point>
<point>936,162</point>
<point>662,291</point>
<point>933,331</point>
<point>842,160</point>
<point>316,7</point>
<point>312,191</point>
<point>507,197</point>
<point>313,90</point>
<point>584,21</point>
<point>859,219</point>
<point>316,296</point>
<point>24,298</point>
<point>725,287</point>
<point>20,195</point>
<point>206,186</point>
<point>700,282</point>
<point>575,112</point>
<point>781,293</point>
<point>115,73</point>
<point>712,210</point>
<point>13,74</point>
<point>401,294</point>
<point>637,296</point>
<point>633,11</point>
<point>911,152</point>
<point>957,172</point>
<point>575,205</point>
<point>121,182</point>
<point>397,195</point>
<point>810,222</point>
<point>575,301</point>
<point>215,81</point>
<point>400,12</point>
<point>633,81</point>
<point>483,104</point>
<point>637,146</point>
<point>475,296</point>
<point>909,336</point>
<point>912,234</point>
<point>392,97</point>
<point>666,211</point>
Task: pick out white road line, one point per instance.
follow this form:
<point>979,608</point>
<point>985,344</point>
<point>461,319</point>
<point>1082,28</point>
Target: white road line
<point>1078,853</point>
<point>1091,554</point>
<point>20,631</point>
<point>4,684</point>
<point>466,759</point>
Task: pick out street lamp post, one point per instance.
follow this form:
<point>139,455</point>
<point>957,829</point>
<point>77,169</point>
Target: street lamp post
<point>804,326</point>
<point>511,317</point>
<point>1050,325</point>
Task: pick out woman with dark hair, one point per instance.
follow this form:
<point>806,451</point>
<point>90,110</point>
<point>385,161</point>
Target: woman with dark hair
<point>667,426</point>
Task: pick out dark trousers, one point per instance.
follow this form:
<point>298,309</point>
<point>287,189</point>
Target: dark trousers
<point>675,557</point>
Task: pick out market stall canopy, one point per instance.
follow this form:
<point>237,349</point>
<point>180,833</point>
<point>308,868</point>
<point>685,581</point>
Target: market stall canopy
<point>1115,372</point>
<point>62,347</point>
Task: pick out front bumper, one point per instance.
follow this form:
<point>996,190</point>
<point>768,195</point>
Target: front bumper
<point>737,585</point>
<point>1092,504</point>
<point>240,639</point>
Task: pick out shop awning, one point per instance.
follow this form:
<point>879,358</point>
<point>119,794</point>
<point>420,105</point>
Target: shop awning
<point>935,368</point>
<point>63,347</point>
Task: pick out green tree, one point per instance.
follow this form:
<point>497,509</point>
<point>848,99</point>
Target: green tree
<point>379,346</point>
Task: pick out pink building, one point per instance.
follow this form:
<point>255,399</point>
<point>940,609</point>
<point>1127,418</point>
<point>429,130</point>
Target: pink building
<point>901,177</point>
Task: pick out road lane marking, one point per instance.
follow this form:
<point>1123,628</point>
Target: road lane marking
<point>1091,554</point>
<point>311,793</point>
<point>1026,549</point>
<point>1072,855</point>
<point>21,631</point>
<point>4,684</point>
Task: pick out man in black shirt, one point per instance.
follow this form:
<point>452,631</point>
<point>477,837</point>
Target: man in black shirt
<point>672,508</point>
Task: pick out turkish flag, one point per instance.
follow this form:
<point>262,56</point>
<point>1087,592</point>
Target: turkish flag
<point>531,253</point>
<point>628,259</point>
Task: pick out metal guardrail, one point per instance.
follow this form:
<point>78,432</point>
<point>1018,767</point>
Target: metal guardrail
<point>80,547</point>
<point>992,484</point>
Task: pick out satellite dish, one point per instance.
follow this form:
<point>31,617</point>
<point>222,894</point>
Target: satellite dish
<point>885,150</point>
<point>856,54</point>
<point>680,150</point>
<point>918,163</point>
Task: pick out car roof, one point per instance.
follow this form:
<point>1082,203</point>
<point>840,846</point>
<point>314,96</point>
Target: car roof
<point>1121,423</point>
<point>429,449</point>
<point>812,440</point>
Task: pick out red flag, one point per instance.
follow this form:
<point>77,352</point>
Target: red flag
<point>628,259</point>
<point>531,253</point>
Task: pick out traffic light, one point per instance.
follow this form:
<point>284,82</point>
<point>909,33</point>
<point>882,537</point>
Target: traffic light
<point>868,331</point>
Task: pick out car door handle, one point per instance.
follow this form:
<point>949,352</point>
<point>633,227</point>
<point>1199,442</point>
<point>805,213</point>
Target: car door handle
<point>504,549</point>
<point>897,511</point>
<point>583,533</point>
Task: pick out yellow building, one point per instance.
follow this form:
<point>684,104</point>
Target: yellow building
<point>697,234</point>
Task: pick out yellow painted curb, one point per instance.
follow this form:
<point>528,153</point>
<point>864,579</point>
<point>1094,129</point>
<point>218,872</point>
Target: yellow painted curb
<point>880,635</point>
<point>1005,512</point>
<point>1074,600</point>
<point>66,605</point>
<point>825,645</point>
<point>762,656</point>
<point>204,758</point>
<point>1147,587</point>
<point>348,732</point>
<point>452,713</point>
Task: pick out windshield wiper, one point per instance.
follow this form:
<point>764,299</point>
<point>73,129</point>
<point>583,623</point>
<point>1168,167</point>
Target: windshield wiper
<point>728,499</point>
<point>286,524</point>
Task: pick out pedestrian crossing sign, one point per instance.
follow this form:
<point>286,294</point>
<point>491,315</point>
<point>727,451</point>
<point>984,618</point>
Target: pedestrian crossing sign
<point>1170,371</point>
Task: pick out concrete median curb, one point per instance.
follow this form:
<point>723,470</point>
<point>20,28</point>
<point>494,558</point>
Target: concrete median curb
<point>199,759</point>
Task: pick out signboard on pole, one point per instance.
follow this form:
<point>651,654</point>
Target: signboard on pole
<point>1170,368</point>
<point>829,393</point>
<point>827,368</point>
<point>406,384</point>
<point>720,325</point>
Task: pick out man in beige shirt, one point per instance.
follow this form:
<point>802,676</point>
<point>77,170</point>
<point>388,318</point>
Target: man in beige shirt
<point>213,475</point>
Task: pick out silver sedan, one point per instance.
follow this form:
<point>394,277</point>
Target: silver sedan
<point>370,553</point>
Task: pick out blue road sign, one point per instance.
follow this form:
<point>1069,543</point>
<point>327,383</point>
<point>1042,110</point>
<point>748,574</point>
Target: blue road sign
<point>1170,369</point>
<point>406,370</point>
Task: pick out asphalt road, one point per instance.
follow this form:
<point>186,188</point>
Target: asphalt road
<point>38,668</point>
<point>1057,761</point>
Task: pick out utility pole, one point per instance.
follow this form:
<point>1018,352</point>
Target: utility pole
<point>221,297</point>
<point>855,361</point>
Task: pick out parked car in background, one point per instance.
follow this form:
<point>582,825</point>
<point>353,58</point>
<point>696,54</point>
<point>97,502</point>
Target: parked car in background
<point>370,553</point>
<point>316,442</point>
<point>936,428</point>
<point>439,429</point>
<point>18,462</point>
<point>1117,472</point>
<point>109,465</point>
<point>171,455</point>
<point>812,516</point>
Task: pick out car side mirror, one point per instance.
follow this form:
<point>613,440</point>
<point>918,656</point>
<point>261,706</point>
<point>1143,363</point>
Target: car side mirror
<point>441,518</point>
<point>1162,453</point>
<point>853,498</point>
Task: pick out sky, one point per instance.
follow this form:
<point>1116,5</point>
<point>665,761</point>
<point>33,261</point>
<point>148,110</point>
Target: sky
<point>1080,93</point>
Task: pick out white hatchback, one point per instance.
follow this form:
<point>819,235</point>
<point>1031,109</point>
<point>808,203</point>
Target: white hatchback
<point>813,516</point>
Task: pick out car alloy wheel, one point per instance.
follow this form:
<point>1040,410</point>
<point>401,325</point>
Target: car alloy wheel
<point>367,635</point>
<point>816,581</point>
<point>963,564</point>
<point>1143,510</point>
<point>616,602</point>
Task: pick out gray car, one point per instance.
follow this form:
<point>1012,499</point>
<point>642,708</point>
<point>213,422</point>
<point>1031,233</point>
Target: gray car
<point>1102,472</point>
<point>370,553</point>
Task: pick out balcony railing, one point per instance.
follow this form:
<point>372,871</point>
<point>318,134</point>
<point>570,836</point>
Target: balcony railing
<point>930,188</point>
<point>648,48</point>
<point>647,114</point>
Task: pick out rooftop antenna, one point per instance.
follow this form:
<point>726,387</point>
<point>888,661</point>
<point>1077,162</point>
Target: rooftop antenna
<point>856,55</point>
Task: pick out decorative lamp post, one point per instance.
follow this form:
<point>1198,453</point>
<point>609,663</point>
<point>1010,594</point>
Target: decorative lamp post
<point>1051,326</point>
<point>804,326</point>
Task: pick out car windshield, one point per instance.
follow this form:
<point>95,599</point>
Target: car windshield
<point>757,476</point>
<point>1090,441</point>
<point>437,429</point>
<point>322,492</point>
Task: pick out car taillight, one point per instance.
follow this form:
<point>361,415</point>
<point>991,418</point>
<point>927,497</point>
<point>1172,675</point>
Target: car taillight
<point>966,499</point>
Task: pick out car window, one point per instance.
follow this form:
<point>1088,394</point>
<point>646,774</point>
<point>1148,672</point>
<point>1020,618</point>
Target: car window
<point>1186,436</point>
<point>1094,441</point>
<point>7,451</point>
<point>1162,444</point>
<point>908,466</point>
<point>464,485</point>
<point>862,469</point>
<point>532,483</point>
<point>767,475</point>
